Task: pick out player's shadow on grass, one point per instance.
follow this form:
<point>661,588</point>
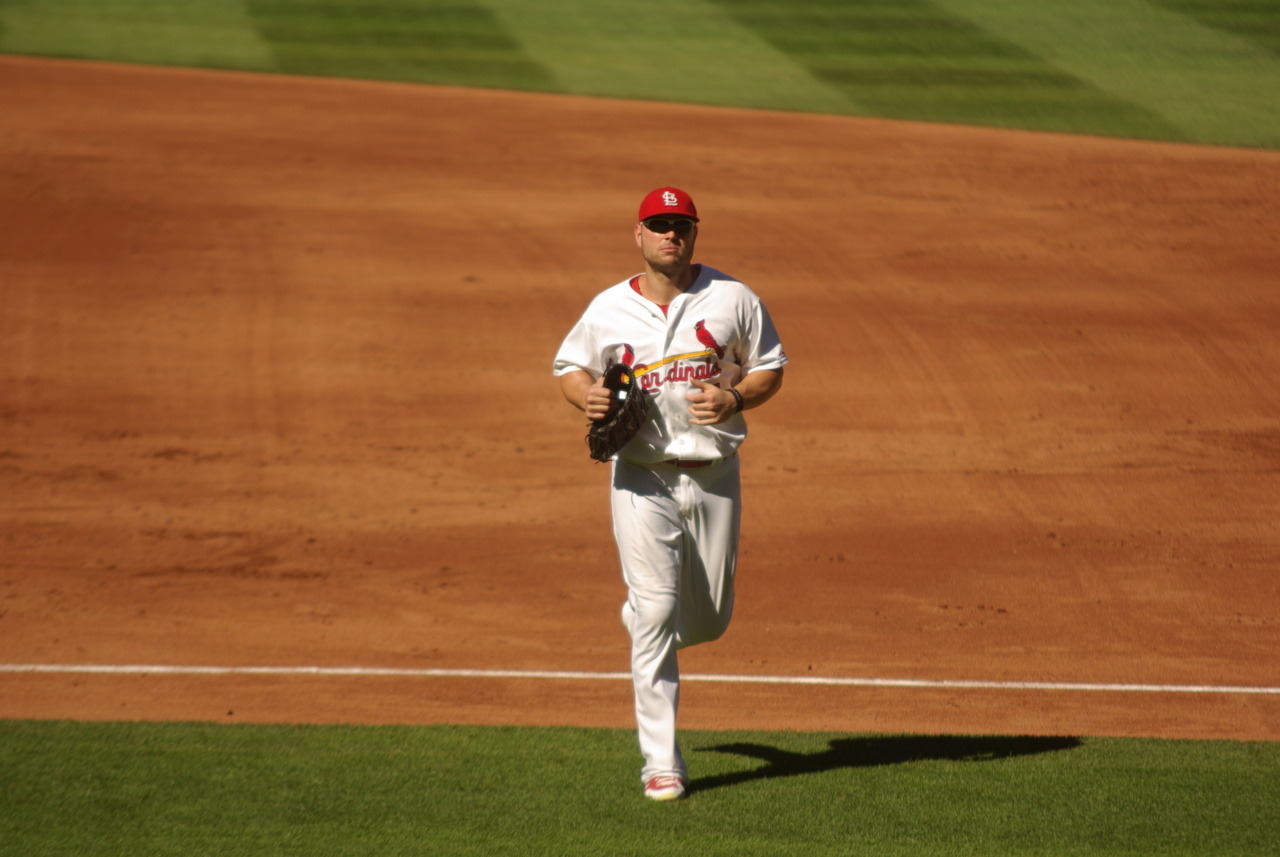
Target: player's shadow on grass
<point>874,752</point>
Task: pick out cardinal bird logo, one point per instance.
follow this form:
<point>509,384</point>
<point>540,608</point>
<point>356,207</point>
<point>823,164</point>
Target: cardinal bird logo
<point>705,337</point>
<point>628,355</point>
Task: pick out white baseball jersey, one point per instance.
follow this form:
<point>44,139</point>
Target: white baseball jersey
<point>717,331</point>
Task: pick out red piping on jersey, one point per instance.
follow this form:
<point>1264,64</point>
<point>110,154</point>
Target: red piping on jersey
<point>635,285</point>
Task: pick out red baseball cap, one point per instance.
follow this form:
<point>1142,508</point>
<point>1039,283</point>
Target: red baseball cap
<point>668,202</point>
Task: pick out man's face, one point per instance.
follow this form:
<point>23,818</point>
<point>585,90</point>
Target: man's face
<point>670,249</point>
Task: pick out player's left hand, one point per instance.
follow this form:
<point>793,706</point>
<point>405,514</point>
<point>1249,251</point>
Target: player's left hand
<point>710,405</point>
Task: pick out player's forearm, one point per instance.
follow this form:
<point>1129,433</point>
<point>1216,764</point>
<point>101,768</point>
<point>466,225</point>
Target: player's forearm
<point>574,385</point>
<point>759,387</point>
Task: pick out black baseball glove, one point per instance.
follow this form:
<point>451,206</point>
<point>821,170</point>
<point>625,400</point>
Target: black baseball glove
<point>626,413</point>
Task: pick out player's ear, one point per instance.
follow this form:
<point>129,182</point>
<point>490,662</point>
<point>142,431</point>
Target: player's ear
<point>639,233</point>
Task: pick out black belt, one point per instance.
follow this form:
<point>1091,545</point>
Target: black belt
<point>696,462</point>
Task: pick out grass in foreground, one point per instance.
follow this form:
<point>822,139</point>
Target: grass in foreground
<point>139,789</point>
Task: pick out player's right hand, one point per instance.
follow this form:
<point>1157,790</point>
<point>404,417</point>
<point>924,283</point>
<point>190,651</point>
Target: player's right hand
<point>598,400</point>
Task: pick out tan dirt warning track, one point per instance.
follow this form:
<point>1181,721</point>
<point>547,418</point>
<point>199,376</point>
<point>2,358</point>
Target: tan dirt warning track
<point>274,390</point>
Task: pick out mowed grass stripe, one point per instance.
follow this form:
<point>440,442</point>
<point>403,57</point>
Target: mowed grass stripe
<point>423,41</point>
<point>162,32</point>
<point>1211,85</point>
<point>428,41</point>
<point>913,59</point>
<point>1255,20</point>
<point>667,50</point>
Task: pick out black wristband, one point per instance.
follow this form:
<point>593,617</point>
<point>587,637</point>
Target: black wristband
<point>737,396</point>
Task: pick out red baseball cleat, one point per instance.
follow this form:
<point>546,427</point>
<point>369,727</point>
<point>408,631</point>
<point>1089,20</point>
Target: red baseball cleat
<point>664,787</point>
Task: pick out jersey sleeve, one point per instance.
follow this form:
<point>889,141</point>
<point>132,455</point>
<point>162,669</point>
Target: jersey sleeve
<point>762,347</point>
<point>578,351</point>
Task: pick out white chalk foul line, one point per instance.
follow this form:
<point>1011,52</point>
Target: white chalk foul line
<point>830,681</point>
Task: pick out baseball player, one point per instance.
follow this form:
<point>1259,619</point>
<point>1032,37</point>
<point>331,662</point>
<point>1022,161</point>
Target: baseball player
<point>703,349</point>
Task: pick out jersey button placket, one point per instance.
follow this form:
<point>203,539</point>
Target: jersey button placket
<point>676,410</point>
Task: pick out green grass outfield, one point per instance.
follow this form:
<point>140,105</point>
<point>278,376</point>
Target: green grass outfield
<point>1203,71</point>
<point>150,789</point>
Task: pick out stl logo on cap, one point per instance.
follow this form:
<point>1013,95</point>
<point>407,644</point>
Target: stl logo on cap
<point>666,201</point>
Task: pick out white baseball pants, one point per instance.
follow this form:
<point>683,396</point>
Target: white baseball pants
<point>677,534</point>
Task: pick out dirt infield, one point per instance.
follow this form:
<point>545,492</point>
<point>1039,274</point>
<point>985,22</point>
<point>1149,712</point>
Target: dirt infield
<point>275,390</point>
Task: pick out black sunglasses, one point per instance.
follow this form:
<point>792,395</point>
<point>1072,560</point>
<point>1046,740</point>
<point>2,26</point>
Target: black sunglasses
<point>662,226</point>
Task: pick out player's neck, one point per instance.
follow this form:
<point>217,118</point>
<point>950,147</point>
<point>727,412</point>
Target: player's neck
<point>662,287</point>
